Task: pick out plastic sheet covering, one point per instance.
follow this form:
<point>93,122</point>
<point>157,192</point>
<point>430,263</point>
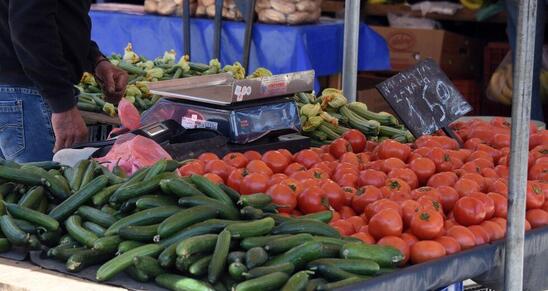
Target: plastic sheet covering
<point>483,264</point>
<point>280,48</point>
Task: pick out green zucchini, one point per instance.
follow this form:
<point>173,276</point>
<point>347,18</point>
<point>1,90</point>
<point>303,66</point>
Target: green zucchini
<point>74,227</point>
<point>385,256</point>
<point>96,216</point>
<point>148,265</point>
<point>313,227</point>
<point>140,233</point>
<point>145,217</point>
<point>218,260</point>
<point>32,216</point>
<point>107,244</point>
<point>225,211</point>
<point>86,258</point>
<point>121,262</point>
<point>12,232</point>
<point>210,189</point>
<point>287,268</point>
<point>281,245</point>
<point>273,281</point>
<point>180,283</point>
<point>79,198</point>
<point>196,244</point>
<point>252,228</point>
<point>185,218</point>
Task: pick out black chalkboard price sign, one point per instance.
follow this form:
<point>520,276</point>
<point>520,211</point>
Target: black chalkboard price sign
<point>424,98</point>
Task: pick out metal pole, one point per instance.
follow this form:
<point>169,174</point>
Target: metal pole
<point>186,27</point>
<point>350,48</point>
<point>249,19</point>
<point>217,29</point>
<point>519,148</point>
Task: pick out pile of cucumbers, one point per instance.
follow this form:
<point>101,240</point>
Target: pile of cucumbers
<point>183,233</point>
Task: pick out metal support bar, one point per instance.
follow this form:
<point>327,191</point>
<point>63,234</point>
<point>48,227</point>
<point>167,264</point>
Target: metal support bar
<point>218,28</point>
<point>350,47</point>
<point>186,27</point>
<point>249,18</point>
<point>519,148</point>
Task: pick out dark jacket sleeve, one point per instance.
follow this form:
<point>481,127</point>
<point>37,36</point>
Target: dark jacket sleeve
<point>94,54</point>
<point>40,51</point>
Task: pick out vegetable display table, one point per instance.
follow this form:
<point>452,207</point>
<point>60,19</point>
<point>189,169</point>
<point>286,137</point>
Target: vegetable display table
<point>279,48</point>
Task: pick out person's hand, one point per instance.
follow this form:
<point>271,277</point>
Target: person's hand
<point>113,81</point>
<point>69,128</point>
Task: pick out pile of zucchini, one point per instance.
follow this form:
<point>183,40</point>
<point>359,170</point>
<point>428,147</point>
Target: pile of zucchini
<point>183,233</point>
<point>327,117</point>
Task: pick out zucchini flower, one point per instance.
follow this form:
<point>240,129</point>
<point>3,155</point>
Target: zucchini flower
<point>311,110</point>
<point>169,57</point>
<point>327,117</point>
<point>154,73</point>
<point>130,99</point>
<point>148,65</point>
<point>115,57</point>
<point>133,91</point>
<point>360,105</point>
<point>260,72</point>
<point>237,71</point>
<point>183,63</point>
<point>88,79</point>
<point>142,87</point>
<point>214,67</point>
<point>333,98</point>
<point>109,109</point>
<point>115,62</point>
<point>130,56</point>
<point>312,123</point>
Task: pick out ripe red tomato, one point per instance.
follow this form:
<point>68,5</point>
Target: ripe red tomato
<point>364,196</point>
<point>501,222</point>
<point>428,202</point>
<point>348,180</point>
<point>218,167</point>
<point>364,237</point>
<point>276,161</point>
<point>395,184</point>
<point>283,197</point>
<point>339,146</point>
<point>312,200</point>
<point>356,221</point>
<point>386,222</point>
<point>424,168</point>
<point>409,238</point>
<point>488,203</point>
<point>463,235</point>
<point>466,186</point>
<point>252,155</point>
<point>449,197</point>
<point>294,185</point>
<point>498,186</point>
<point>535,195</point>
<point>372,177</point>
<point>426,191</point>
<point>334,194</point>
<point>307,158</point>
<point>216,179</point>
<point>426,250</point>
<point>293,168</point>
<point>192,168</point>
<point>254,183</point>
<point>377,206</point>
<point>399,196</point>
<point>397,243</point>
<point>235,179</point>
<point>405,174</point>
<point>469,211</point>
<point>236,160</point>
<point>482,236</point>
<point>393,149</point>
<point>537,217</point>
<point>206,157</point>
<point>351,158</point>
<point>344,227</point>
<point>347,212</point>
<point>258,166</point>
<point>450,244</point>
<point>356,139</point>
<point>444,162</point>
<point>391,164</point>
<point>327,157</point>
<point>442,179</point>
<point>325,167</point>
<point>495,231</point>
<point>427,224</point>
<point>287,154</point>
<point>277,179</point>
<point>349,193</point>
<point>409,209</point>
<point>478,178</point>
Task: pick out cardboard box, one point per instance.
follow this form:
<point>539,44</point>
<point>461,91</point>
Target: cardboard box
<point>458,56</point>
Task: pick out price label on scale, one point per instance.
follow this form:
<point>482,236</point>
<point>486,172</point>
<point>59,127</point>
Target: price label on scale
<point>424,98</point>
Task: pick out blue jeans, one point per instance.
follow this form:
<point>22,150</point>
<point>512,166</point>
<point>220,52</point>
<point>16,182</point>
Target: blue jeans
<point>26,134</point>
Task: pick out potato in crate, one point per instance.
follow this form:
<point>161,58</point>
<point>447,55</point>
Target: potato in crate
<point>289,11</point>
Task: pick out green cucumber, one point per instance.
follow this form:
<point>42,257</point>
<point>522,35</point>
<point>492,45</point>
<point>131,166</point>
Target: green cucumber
<point>233,194</point>
<point>385,256</point>
<point>331,240</point>
<point>252,228</point>
<point>109,210</point>
<point>281,245</point>
<point>180,283</point>
<point>259,241</point>
<point>98,230</point>
<point>332,273</point>
<point>273,281</point>
<point>32,198</point>
<point>4,245</point>
<point>137,274</point>
<point>209,226</point>
<point>74,227</point>
<point>196,244</point>
<point>89,174</point>
<point>179,187</point>
<point>12,232</point>
<point>112,178</point>
<point>20,176</point>
<point>200,267</point>
<point>300,255</point>
<point>278,218</point>
<point>225,211</point>
<point>128,245</point>
<point>121,262</point>
<point>67,239</point>
<point>314,283</point>
<point>168,256</point>
<point>46,165</point>
<point>323,216</point>
<point>218,260</point>
<point>43,206</point>
<point>125,193</point>
<point>107,244</point>
<point>85,258</point>
<point>313,227</point>
<point>154,201</point>
<point>356,266</point>
<point>183,263</point>
<point>251,213</point>
<point>49,238</point>
<point>55,187</point>
<point>148,216</point>
<point>155,170</point>
<point>142,233</point>
<point>255,257</point>
<point>32,216</point>
<point>64,252</point>
<point>236,270</point>
<point>185,218</point>
<point>287,268</point>
<point>96,216</point>
<point>148,265</point>
<point>67,207</point>
<point>25,226</point>
<point>210,189</point>
<point>258,200</point>
<point>78,175</point>
<point>338,284</point>
<point>236,256</point>
<point>297,282</point>
<point>102,196</point>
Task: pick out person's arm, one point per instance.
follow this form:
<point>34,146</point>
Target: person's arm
<point>112,79</point>
<point>38,47</point>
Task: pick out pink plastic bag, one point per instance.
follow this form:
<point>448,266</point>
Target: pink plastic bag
<point>133,154</point>
<point>129,115</point>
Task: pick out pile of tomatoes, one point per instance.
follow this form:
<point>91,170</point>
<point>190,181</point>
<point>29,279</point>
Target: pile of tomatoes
<point>428,199</point>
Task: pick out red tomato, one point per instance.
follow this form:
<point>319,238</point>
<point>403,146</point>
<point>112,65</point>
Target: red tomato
<point>325,167</point>
<point>393,149</point>
<point>277,179</point>
<point>450,244</point>
<point>219,167</point>
<point>482,236</point>
<point>282,197</point>
<point>424,168</point>
<point>448,196</point>
<point>501,222</point>
<point>498,186</point>
<point>395,184</point>
<point>444,162</point>
<point>377,206</point>
<point>206,157</point>
<point>405,174</point>
<point>384,223</point>
<point>312,200</point>
<point>478,178</point>
<point>258,166</point>
<point>347,212</point>
<point>294,185</point>
<point>319,174</point>
<point>426,250</point>
<point>397,243</point>
<point>356,139</point>
<point>364,237</point>
<point>426,191</point>
<point>307,183</point>
<point>469,211</point>
<point>356,221</point>
<point>442,179</point>
<point>409,209</point>
<point>252,155</point>
<point>364,196</point>
<point>372,177</point>
<point>392,164</point>
<point>428,202</point>
<point>537,217</point>
<point>214,178</point>
<point>287,154</point>
<point>351,158</point>
<point>236,160</point>
<point>327,157</point>
<point>488,203</point>
<point>192,168</point>
<point>399,196</point>
<point>302,175</point>
<point>349,193</point>
<point>495,231</point>
<point>463,235</point>
<point>535,195</point>
<point>254,183</point>
<point>364,158</point>
<point>427,224</point>
<point>334,194</point>
<point>466,186</point>
<point>344,227</point>
<point>307,158</point>
<point>348,180</point>
<point>276,161</point>
<point>409,238</point>
<point>293,168</point>
<point>339,146</point>
<point>235,179</point>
